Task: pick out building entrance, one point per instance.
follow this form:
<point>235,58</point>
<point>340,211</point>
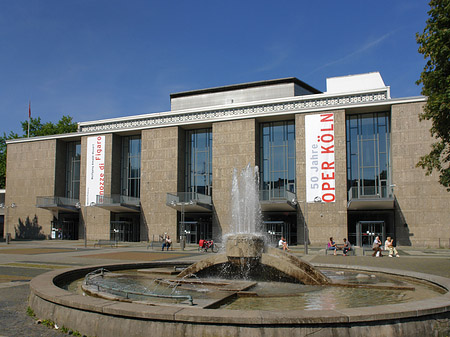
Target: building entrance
<point>367,231</point>
<point>65,227</point>
<point>275,230</point>
<point>125,228</point>
<point>196,227</point>
<point>365,225</point>
<point>278,224</point>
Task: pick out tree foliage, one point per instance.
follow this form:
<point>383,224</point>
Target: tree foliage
<point>434,44</point>
<point>37,128</point>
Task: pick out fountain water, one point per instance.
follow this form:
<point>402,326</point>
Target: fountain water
<point>245,245</point>
<point>245,207</point>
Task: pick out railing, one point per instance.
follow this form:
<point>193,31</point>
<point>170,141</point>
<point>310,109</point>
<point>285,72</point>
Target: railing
<point>60,201</point>
<point>369,192</point>
<point>188,197</point>
<point>117,199</point>
<point>277,195</point>
<point>101,272</point>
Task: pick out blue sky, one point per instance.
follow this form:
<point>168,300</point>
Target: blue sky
<point>101,59</point>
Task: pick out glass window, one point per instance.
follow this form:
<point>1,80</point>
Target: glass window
<point>277,162</point>
<point>73,170</point>
<point>368,148</point>
<point>199,161</point>
<point>131,166</point>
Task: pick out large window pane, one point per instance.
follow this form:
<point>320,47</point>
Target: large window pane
<point>277,162</point>
<point>199,161</point>
<point>131,166</point>
<point>368,152</point>
<point>73,150</point>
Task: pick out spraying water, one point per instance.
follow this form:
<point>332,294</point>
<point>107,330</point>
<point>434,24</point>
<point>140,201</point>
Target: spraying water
<point>245,207</point>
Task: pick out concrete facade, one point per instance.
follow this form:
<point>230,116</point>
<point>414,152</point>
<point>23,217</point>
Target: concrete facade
<point>422,211</point>
<point>160,167</point>
<point>31,172</point>
<point>418,213</point>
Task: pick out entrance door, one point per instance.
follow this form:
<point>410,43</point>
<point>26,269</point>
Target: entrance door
<point>65,229</point>
<point>275,230</point>
<point>190,228</point>
<point>367,231</point>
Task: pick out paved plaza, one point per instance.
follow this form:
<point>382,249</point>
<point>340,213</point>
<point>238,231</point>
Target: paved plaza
<point>20,261</point>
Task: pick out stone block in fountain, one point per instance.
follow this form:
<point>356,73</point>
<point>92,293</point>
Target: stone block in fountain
<point>249,252</point>
<point>242,249</point>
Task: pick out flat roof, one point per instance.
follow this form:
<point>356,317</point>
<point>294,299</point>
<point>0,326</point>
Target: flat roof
<point>246,86</point>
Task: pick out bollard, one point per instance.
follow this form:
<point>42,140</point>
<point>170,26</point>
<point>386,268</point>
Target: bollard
<point>8,238</point>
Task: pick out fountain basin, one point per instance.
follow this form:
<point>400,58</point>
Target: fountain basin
<point>100,317</point>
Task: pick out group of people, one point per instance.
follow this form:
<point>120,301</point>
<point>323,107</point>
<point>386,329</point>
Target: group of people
<point>388,246</point>
<point>376,247</point>
<point>346,247</point>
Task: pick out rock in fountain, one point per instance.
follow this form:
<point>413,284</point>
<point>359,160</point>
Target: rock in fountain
<point>246,248</point>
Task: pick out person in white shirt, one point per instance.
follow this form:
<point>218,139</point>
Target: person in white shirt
<point>389,245</point>
<point>282,244</point>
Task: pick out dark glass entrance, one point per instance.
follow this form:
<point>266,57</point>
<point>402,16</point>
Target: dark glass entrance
<point>125,227</point>
<point>364,226</point>
<point>197,226</point>
<point>367,231</point>
<point>278,224</point>
<point>65,227</point>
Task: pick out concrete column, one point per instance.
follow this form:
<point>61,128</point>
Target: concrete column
<point>159,167</point>
<point>234,146</point>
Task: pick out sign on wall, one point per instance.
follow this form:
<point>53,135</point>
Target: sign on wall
<point>320,165</point>
<point>95,168</point>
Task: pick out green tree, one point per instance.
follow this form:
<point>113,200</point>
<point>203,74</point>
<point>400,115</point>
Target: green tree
<point>434,44</point>
<point>3,156</point>
<point>37,128</point>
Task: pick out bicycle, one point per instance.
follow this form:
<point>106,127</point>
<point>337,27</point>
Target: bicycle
<point>204,245</point>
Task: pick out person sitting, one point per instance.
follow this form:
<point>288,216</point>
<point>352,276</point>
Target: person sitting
<point>332,246</point>
<point>167,243</point>
<point>347,247</point>
<point>376,247</point>
<point>282,244</point>
<point>389,246</point>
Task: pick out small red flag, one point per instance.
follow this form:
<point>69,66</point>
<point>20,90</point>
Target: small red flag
<point>29,109</point>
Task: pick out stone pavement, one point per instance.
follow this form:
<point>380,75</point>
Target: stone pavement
<point>21,261</point>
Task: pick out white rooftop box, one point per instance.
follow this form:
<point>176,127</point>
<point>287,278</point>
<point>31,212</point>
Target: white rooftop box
<point>358,82</point>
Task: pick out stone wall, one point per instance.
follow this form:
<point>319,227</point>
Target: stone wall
<point>422,215</point>
<point>159,176</point>
<point>30,173</point>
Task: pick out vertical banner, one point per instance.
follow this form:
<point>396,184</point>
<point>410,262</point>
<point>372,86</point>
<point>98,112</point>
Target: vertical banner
<point>95,168</point>
<point>319,151</point>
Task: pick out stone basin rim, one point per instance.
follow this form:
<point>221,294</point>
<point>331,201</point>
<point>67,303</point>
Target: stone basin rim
<point>44,287</point>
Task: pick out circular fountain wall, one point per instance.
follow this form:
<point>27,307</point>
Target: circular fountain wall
<point>245,248</point>
<point>101,317</point>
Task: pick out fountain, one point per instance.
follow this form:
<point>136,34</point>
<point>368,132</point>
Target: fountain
<point>245,244</point>
<point>205,297</point>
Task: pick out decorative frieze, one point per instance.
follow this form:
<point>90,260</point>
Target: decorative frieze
<point>296,104</point>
